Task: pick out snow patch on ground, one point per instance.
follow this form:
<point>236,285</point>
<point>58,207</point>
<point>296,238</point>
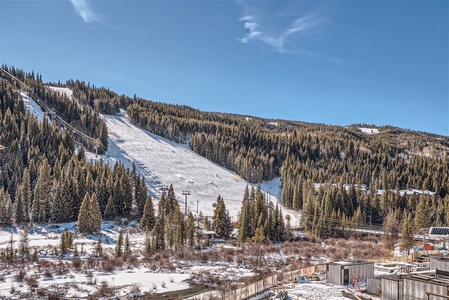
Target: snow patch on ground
<point>32,106</point>
<point>369,130</point>
<point>62,90</point>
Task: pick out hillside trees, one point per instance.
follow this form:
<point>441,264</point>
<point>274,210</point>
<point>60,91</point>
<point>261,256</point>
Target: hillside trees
<point>44,177</point>
<point>301,154</point>
<point>260,221</point>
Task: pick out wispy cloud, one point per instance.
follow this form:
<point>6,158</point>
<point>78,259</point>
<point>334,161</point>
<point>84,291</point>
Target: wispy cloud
<point>85,12</point>
<point>276,29</point>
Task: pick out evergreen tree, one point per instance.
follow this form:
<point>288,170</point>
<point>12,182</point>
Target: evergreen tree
<point>5,208</point>
<point>127,245</point>
<point>42,194</point>
<point>221,219</point>
<point>391,230</point>
<point>94,214</point>
<point>83,216</point>
<point>99,247</point>
<point>26,193</point>
<point>147,221</point>
<point>119,245</point>
<point>148,247</point>
<point>110,212</point>
<point>19,207</point>
<point>89,217</point>
<point>66,241</point>
<point>24,250</point>
<point>259,237</point>
<point>140,195</point>
<point>159,236</point>
<point>407,238</point>
<point>423,213</point>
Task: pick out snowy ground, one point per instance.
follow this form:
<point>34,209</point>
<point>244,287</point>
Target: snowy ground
<point>318,291</point>
<point>86,280</point>
<point>62,90</point>
<point>369,130</point>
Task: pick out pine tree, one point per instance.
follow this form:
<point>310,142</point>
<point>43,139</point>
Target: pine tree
<point>26,193</point>
<point>407,238</point>
<point>127,245</point>
<point>83,216</point>
<point>19,207</point>
<point>66,241</point>
<point>221,219</point>
<point>119,245</point>
<point>148,247</point>
<point>5,208</point>
<point>89,217</point>
<point>423,213</point>
<point>110,212</point>
<point>140,195</point>
<point>147,221</point>
<point>42,194</point>
<point>391,230</point>
<point>158,236</point>
<point>94,214</point>
<point>99,247</point>
<point>24,244</point>
<point>259,237</point>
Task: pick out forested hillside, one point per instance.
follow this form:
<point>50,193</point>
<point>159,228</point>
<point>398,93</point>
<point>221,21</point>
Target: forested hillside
<point>44,179</point>
<point>359,172</point>
<point>343,159</point>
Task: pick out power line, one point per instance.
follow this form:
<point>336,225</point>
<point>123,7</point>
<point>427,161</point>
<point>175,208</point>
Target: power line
<point>49,111</point>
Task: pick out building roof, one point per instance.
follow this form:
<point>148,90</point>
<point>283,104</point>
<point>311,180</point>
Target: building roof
<point>439,231</point>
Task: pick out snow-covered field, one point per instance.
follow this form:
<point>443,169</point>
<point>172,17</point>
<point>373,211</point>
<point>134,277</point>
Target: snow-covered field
<point>59,274</point>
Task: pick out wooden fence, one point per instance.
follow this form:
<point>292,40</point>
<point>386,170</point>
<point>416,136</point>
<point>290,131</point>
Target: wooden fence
<point>258,287</point>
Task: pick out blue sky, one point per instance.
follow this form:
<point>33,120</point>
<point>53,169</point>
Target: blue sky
<point>334,62</point>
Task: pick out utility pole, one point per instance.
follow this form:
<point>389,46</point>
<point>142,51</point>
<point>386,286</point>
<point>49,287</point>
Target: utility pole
<point>186,193</point>
<point>197,201</point>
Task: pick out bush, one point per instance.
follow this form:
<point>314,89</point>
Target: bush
<point>107,265</point>
<point>21,275</point>
<point>77,263</point>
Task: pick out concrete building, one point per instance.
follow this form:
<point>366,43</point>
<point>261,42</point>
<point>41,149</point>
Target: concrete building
<point>342,272</point>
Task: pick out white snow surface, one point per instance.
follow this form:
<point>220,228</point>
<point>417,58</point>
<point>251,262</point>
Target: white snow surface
<point>62,90</point>
<point>32,106</point>
<point>78,283</point>
<point>369,130</point>
<point>163,162</point>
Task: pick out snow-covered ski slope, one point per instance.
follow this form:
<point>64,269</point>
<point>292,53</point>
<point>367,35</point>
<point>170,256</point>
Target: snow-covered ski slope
<point>163,162</point>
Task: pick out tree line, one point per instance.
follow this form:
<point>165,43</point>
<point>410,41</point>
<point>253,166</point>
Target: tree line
<point>301,154</point>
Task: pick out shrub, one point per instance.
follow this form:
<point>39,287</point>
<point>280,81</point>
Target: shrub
<point>77,263</point>
<point>20,276</point>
